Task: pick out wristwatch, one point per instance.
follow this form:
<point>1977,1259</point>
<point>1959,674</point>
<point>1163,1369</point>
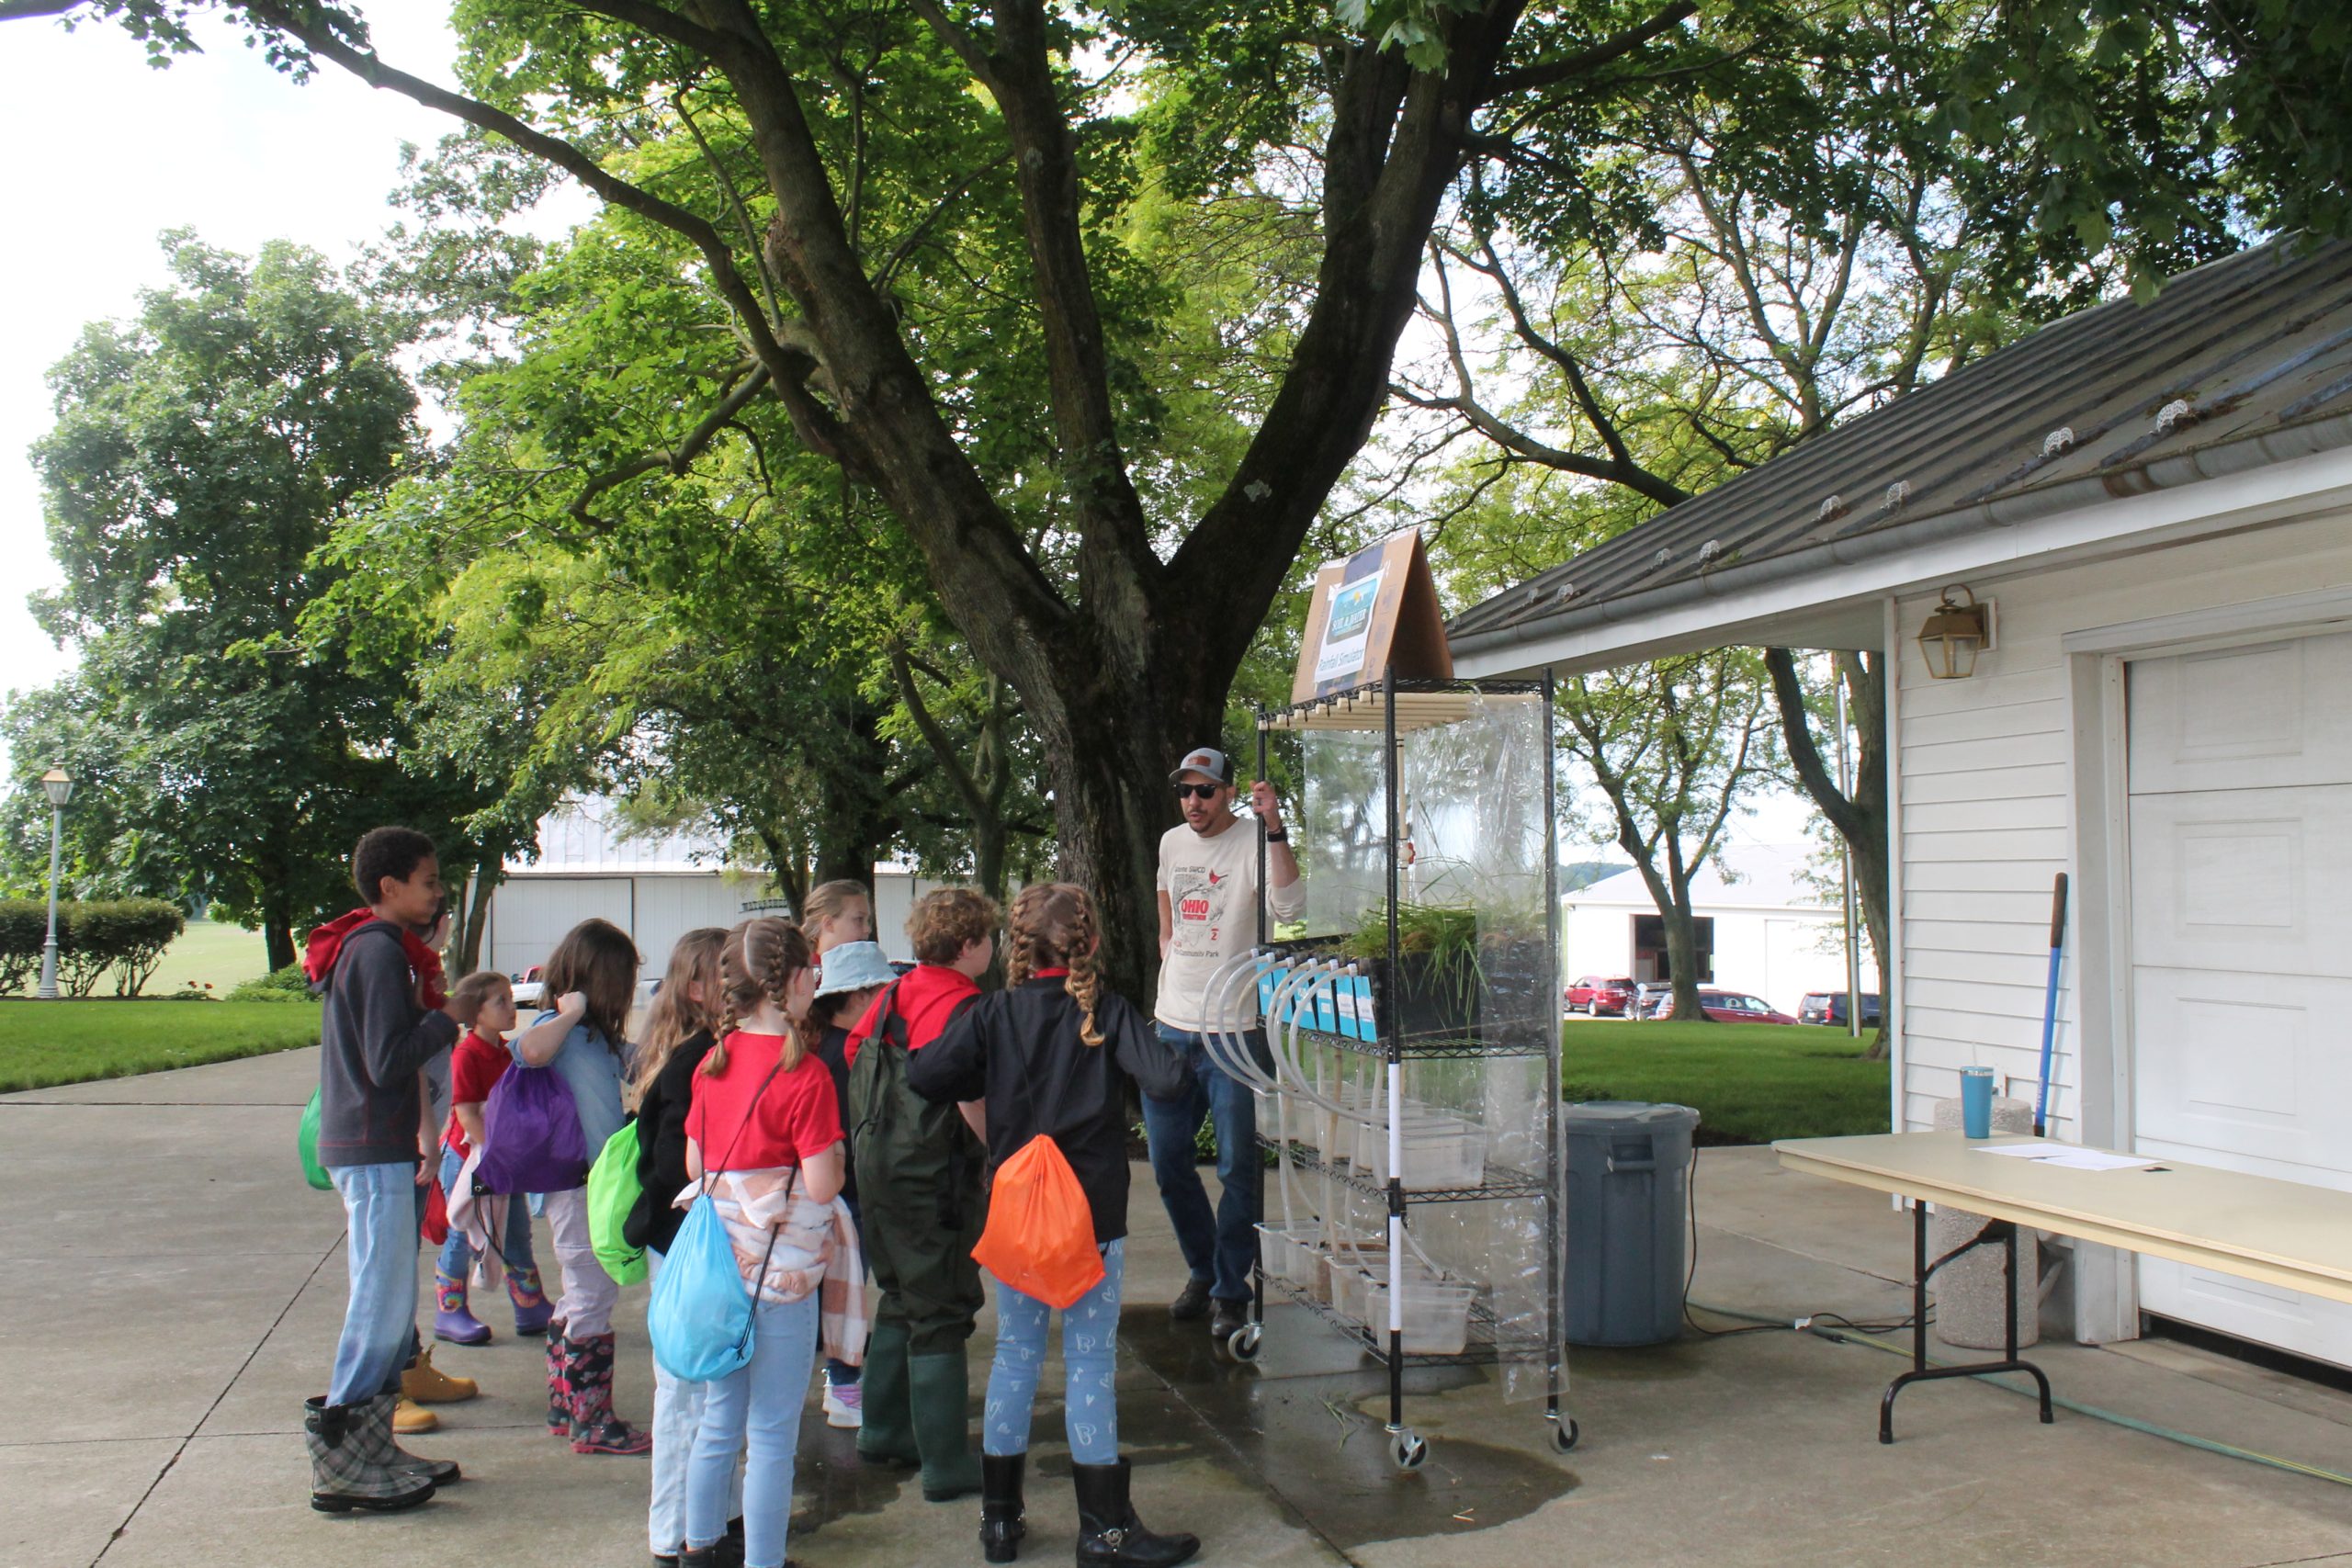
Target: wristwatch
<point>1278,835</point>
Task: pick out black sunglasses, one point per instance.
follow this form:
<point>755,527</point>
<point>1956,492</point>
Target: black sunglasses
<point>1197,792</point>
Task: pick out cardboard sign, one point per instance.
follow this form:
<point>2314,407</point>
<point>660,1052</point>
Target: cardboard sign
<point>1374,611</point>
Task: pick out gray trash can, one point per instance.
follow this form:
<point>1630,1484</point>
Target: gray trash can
<point>1629,1188</point>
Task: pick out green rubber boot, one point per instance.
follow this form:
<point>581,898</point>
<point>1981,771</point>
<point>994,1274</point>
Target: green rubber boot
<point>940,1390</point>
<point>888,1434</point>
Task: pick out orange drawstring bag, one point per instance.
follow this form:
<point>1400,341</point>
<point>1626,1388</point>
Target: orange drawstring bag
<point>1040,1235</point>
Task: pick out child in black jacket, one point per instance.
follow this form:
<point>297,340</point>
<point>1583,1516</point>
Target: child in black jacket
<point>1051,1053</point>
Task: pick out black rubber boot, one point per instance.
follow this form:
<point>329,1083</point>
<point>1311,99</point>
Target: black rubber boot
<point>1109,1534</point>
<point>343,1475</point>
<point>1000,1525</point>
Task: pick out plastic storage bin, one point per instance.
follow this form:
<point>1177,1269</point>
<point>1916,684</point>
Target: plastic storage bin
<point>1437,1315</point>
<point>1629,1175</point>
<point>1440,1151</point>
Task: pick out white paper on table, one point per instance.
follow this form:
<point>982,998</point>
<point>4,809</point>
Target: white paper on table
<point>2071,1156</point>
<point>2097,1159</point>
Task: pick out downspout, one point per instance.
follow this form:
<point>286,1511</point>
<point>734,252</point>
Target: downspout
<point>1891,1007</point>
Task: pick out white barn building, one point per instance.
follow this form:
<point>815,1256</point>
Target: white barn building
<point>656,887</point>
<point>2156,501</point>
<point>1764,929</point>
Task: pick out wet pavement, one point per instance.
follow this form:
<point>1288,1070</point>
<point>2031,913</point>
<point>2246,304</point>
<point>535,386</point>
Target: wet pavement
<point>159,1327</point>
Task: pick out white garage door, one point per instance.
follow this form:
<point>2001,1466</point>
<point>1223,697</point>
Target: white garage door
<point>2241,832</point>
<point>529,914</point>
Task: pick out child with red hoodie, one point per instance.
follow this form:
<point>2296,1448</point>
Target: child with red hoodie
<point>919,1189</point>
<point>382,1022</point>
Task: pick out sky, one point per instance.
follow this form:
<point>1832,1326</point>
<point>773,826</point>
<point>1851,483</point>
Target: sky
<point>105,153</point>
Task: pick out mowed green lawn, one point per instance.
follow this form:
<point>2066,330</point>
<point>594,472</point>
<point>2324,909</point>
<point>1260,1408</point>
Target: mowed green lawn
<point>43,1044</point>
<point>1749,1082</point>
<point>207,952</point>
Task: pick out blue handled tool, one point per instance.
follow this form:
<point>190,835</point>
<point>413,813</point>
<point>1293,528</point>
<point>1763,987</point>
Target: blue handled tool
<point>2050,1001</point>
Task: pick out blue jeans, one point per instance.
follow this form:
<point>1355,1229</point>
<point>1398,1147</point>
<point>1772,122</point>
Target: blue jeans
<point>677,1416</point>
<point>1219,1249</point>
<point>379,1324</point>
<point>1089,1368</point>
<point>457,1253</point>
<point>755,1408</point>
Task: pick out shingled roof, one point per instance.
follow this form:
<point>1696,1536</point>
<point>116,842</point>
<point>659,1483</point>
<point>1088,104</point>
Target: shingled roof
<point>2239,362</point>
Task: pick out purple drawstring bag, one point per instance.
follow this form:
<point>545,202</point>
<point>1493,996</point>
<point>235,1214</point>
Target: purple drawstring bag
<point>531,1136</point>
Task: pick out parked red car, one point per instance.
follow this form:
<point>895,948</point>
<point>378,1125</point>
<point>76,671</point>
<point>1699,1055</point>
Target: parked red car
<point>1730,1007</point>
<point>1598,994</point>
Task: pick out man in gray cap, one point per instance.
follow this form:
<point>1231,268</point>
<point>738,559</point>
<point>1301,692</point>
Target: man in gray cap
<point>1208,913</point>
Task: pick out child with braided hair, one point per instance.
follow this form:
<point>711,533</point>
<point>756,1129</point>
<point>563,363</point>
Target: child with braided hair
<point>1051,1053</point>
<point>764,1144</point>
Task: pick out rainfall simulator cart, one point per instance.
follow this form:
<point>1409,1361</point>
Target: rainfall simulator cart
<point>1409,1085</point>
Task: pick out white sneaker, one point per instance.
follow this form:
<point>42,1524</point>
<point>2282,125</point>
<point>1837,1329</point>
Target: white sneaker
<point>844,1405</point>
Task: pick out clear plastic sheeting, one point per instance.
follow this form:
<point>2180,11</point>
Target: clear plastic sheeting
<point>1465,1017</point>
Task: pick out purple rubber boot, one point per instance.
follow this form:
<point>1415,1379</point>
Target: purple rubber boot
<point>532,1308</point>
<point>451,1320</point>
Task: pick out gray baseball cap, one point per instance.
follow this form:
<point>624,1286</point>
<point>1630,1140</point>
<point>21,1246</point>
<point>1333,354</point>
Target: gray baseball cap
<point>1204,760</point>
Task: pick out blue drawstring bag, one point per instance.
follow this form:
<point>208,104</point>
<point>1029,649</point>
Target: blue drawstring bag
<point>700,1316</point>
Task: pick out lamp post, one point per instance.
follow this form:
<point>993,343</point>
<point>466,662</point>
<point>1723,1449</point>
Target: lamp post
<point>58,786</point>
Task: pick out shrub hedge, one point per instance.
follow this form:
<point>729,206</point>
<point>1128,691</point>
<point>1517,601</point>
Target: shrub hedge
<point>126,936</point>
<point>287,984</point>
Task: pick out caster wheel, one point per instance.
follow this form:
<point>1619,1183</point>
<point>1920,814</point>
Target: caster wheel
<point>1408,1451</point>
<point>1564,1436</point>
<point>1244,1341</point>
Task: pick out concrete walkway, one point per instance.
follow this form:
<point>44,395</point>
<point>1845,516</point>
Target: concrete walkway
<point>170,1291</point>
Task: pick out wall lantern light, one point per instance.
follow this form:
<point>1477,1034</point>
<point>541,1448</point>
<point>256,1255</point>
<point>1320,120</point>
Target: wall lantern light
<point>1955,634</point>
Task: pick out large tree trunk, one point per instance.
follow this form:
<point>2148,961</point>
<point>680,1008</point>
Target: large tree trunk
<point>1863,820</point>
<point>473,912</point>
<point>278,937</point>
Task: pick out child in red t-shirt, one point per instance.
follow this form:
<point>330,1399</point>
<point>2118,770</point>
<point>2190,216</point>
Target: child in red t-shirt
<point>484,1003</point>
<point>763,1143</point>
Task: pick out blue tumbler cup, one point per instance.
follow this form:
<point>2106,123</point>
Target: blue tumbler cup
<point>1977,1101</point>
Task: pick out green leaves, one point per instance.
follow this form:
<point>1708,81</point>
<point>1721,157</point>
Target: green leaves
<point>1415,27</point>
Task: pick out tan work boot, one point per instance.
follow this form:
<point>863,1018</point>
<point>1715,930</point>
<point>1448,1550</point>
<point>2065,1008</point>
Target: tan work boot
<point>409,1418</point>
<point>428,1384</point>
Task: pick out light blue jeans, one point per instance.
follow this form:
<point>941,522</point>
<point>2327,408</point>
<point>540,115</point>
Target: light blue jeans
<point>1089,1368</point>
<point>756,1409</point>
<point>677,1416</point>
<point>380,1324</point>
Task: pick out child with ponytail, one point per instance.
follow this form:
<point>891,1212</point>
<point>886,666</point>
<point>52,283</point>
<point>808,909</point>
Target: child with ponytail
<point>764,1145</point>
<point>1051,1053</point>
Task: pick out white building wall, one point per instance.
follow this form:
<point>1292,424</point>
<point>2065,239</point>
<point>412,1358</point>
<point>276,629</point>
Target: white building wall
<point>1986,770</point>
<point>1778,955</point>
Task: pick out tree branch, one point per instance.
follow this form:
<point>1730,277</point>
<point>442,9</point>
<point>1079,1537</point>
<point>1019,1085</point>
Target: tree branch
<point>788,370</point>
<point>677,462</point>
<point>1586,60</point>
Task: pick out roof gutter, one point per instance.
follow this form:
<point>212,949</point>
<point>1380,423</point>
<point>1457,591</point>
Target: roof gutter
<point>2218,461</point>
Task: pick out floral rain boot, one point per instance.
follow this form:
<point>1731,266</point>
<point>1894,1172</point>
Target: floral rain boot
<point>595,1429</point>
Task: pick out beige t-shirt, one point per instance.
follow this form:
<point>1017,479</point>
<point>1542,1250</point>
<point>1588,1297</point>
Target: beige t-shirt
<point>1212,887</point>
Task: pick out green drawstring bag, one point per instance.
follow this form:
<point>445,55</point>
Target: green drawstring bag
<point>612,1191</point>
<point>306,1142</point>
